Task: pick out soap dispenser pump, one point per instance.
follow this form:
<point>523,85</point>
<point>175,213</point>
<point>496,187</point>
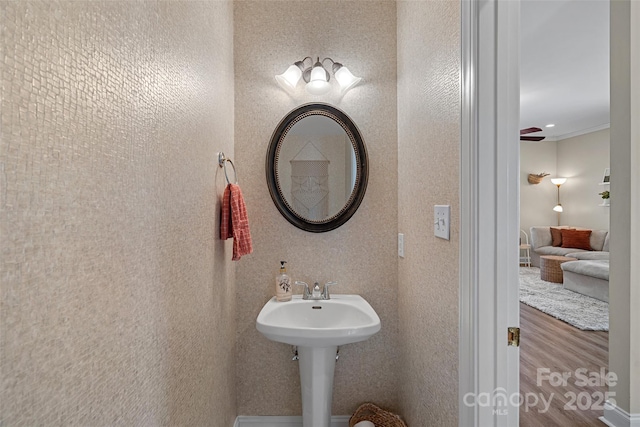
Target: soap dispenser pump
<point>283,284</point>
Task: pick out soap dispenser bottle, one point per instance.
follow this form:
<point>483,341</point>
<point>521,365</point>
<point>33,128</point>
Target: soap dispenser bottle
<point>283,284</point>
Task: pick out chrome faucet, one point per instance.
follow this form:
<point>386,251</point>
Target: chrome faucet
<point>315,293</point>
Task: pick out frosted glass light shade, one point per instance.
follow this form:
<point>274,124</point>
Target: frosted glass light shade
<point>346,79</point>
<point>318,73</point>
<point>318,80</point>
<point>558,181</point>
<point>558,208</point>
<point>289,79</point>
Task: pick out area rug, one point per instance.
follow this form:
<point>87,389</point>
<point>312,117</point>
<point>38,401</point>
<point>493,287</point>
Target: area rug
<point>578,310</point>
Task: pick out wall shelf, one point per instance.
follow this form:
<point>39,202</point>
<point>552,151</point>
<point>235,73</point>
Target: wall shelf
<point>606,180</point>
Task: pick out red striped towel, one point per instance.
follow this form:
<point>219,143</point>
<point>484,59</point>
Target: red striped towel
<point>234,222</point>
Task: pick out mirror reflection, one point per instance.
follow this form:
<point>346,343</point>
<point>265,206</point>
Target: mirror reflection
<point>316,168</point>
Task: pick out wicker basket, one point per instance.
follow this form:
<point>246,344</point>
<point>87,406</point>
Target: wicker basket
<point>379,417</point>
<point>550,270</point>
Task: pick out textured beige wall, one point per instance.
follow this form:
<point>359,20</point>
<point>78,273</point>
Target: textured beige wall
<point>428,170</point>
<point>117,300</point>
<point>361,255</point>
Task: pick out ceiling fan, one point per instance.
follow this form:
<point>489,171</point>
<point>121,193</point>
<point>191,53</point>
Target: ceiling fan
<point>531,138</point>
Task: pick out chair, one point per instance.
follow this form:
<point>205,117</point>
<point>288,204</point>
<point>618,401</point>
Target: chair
<point>526,248</point>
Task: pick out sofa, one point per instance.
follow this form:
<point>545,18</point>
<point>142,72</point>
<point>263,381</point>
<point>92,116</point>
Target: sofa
<point>589,275</point>
<point>541,244</point>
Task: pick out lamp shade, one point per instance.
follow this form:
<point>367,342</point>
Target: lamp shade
<point>289,79</point>
<point>318,80</point>
<point>558,208</point>
<point>346,79</point>
<point>558,181</point>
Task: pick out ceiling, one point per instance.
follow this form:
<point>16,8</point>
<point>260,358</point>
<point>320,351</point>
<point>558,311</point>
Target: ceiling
<point>564,66</point>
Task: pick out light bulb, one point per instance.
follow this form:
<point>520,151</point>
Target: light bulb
<point>558,208</point>
<point>318,80</point>
<point>318,87</point>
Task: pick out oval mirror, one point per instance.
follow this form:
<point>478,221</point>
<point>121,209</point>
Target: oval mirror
<point>317,167</point>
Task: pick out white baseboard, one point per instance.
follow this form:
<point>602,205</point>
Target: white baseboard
<point>617,417</point>
<point>277,421</point>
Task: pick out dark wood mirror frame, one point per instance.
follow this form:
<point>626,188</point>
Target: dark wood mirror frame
<point>362,167</point>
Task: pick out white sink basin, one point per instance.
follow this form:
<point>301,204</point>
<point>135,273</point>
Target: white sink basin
<point>318,327</point>
<point>343,319</point>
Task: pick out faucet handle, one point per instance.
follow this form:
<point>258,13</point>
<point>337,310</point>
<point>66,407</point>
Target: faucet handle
<point>306,290</point>
<point>325,291</point>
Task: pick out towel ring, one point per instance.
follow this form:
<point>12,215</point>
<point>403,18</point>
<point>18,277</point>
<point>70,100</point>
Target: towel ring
<point>222,162</point>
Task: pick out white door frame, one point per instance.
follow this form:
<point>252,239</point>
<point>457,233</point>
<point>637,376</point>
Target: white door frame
<point>489,217</point>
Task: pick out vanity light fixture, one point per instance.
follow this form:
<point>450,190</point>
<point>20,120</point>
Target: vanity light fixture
<point>316,76</point>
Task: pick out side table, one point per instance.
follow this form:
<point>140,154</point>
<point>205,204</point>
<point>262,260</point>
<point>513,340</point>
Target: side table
<point>550,267</point>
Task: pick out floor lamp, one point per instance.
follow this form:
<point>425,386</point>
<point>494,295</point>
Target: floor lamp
<point>558,208</point>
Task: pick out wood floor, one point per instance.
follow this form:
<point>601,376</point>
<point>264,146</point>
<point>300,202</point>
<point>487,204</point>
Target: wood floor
<point>546,342</point>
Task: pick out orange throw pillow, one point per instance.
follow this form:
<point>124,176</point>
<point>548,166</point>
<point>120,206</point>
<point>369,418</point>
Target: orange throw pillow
<point>577,239</point>
<point>556,236</point>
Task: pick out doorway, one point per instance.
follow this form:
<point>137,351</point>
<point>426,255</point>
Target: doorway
<point>564,90</point>
<point>486,363</point>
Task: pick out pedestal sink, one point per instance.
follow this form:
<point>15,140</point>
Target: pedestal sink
<point>318,327</point>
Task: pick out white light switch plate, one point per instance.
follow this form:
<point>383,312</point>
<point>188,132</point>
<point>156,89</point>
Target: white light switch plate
<point>401,245</point>
<point>441,217</point>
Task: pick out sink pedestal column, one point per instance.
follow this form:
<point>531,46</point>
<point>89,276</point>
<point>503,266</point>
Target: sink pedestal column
<point>317,365</point>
